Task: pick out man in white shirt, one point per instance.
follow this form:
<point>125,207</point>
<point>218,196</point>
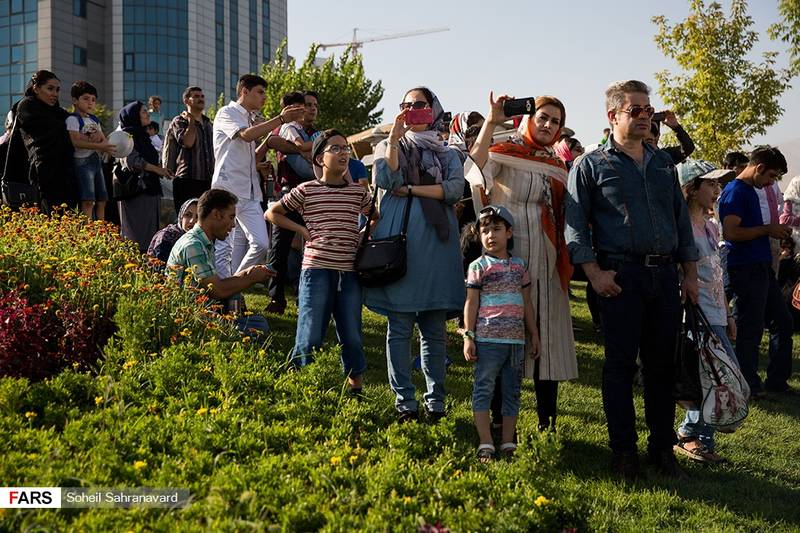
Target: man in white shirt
<point>235,134</point>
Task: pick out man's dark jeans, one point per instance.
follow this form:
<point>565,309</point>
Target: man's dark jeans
<point>759,303</point>
<point>278,257</point>
<point>642,320</point>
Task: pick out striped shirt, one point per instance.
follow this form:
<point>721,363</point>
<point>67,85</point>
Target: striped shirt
<point>331,216</point>
<point>501,315</point>
<point>193,252</point>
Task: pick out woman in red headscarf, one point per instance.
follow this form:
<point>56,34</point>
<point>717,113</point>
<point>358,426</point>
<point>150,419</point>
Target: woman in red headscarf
<point>525,175</point>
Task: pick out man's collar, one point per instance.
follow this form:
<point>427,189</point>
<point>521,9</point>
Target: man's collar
<point>198,229</point>
<point>610,145</point>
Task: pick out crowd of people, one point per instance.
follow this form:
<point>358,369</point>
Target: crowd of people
<point>494,232</point>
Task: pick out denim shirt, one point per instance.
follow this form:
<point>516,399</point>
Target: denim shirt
<point>615,206</point>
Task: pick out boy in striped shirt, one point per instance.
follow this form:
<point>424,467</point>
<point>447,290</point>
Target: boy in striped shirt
<point>330,207</point>
<point>497,312</point>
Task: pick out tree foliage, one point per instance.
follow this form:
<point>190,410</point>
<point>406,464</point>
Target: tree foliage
<point>347,99</point>
<point>723,98</point>
<point>788,31</point>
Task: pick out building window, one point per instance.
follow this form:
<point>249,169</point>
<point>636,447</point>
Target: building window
<point>130,63</point>
<point>266,52</point>
<point>79,8</point>
<point>79,55</point>
<point>17,6</point>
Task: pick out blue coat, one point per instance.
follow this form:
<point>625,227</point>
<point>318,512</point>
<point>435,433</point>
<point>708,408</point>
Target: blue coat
<point>434,279</point>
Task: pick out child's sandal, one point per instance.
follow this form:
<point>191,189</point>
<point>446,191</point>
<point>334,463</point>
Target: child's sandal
<point>508,449</point>
<point>486,453</point>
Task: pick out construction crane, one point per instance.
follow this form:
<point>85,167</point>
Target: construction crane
<point>355,44</point>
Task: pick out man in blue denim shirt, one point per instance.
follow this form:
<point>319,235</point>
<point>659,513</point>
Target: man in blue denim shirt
<point>628,226</point>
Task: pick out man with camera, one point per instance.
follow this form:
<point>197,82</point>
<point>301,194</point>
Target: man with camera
<point>628,193</point>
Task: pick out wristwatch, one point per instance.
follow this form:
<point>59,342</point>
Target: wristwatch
<point>409,189</point>
<point>469,334</point>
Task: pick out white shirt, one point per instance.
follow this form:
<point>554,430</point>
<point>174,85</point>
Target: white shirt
<point>89,126</point>
<point>762,203</point>
<point>235,167</point>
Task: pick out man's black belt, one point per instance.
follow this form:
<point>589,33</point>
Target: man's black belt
<point>648,260</point>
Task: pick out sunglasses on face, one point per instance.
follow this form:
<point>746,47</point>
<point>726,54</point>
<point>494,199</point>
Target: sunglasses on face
<point>635,111</point>
<point>419,104</point>
<point>337,150</point>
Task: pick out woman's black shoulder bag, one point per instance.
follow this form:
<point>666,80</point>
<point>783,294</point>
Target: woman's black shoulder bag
<point>381,262</point>
<point>16,194</point>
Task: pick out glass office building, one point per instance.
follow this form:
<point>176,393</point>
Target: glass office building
<point>132,49</point>
<point>18,50</point>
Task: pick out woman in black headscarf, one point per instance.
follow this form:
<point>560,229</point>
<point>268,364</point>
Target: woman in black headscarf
<point>139,214</point>
<point>42,126</point>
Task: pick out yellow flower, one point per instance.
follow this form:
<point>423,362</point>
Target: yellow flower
<point>213,410</point>
<point>353,459</point>
<point>98,400</point>
<point>407,499</point>
<point>139,465</point>
<point>457,474</point>
<point>30,415</point>
<point>206,369</point>
<point>541,501</point>
<point>126,286</point>
<point>130,265</point>
<point>31,456</point>
<point>129,364</point>
<point>186,332</point>
<point>336,461</point>
<point>105,261</point>
<point>245,340</point>
<point>202,411</point>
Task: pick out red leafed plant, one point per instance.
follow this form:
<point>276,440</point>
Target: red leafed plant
<point>37,340</point>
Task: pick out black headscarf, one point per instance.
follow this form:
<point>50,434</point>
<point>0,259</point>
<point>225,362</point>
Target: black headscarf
<point>130,122</point>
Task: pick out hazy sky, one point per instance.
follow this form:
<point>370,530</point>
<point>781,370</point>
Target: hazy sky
<point>571,49</point>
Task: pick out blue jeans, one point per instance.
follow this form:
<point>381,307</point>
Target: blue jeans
<point>759,303</point>
<point>432,332</point>
<point>254,326</point>
<point>495,359</point>
<point>324,292</point>
<point>693,425</point>
<point>642,320</point>
<point>91,183</point>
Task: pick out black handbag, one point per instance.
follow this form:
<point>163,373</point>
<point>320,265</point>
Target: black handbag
<point>17,194</point>
<point>125,183</point>
<point>381,262</point>
<point>687,391</point>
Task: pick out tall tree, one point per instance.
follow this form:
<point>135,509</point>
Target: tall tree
<point>347,98</point>
<point>788,31</point>
<point>724,99</point>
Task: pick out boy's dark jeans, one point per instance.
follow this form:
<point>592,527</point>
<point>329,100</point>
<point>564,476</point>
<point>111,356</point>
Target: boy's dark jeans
<point>642,320</point>
<point>759,303</point>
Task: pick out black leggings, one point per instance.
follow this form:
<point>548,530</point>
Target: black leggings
<point>546,401</point>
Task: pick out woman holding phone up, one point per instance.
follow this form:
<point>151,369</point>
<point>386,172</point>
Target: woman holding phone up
<point>527,177</point>
<point>415,162</point>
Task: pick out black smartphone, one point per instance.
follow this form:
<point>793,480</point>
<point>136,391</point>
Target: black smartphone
<point>658,117</point>
<point>519,106</point>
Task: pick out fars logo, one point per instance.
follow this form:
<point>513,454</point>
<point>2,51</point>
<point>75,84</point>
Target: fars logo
<point>30,497</point>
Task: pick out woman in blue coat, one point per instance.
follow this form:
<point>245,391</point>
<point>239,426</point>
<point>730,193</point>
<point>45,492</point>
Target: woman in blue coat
<point>415,162</point>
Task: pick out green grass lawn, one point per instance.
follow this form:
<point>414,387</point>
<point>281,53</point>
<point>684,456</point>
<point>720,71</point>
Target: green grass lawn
<point>757,490</point>
<point>264,449</point>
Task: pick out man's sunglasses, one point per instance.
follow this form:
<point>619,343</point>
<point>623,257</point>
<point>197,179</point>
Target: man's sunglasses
<point>419,104</point>
<point>635,111</point>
